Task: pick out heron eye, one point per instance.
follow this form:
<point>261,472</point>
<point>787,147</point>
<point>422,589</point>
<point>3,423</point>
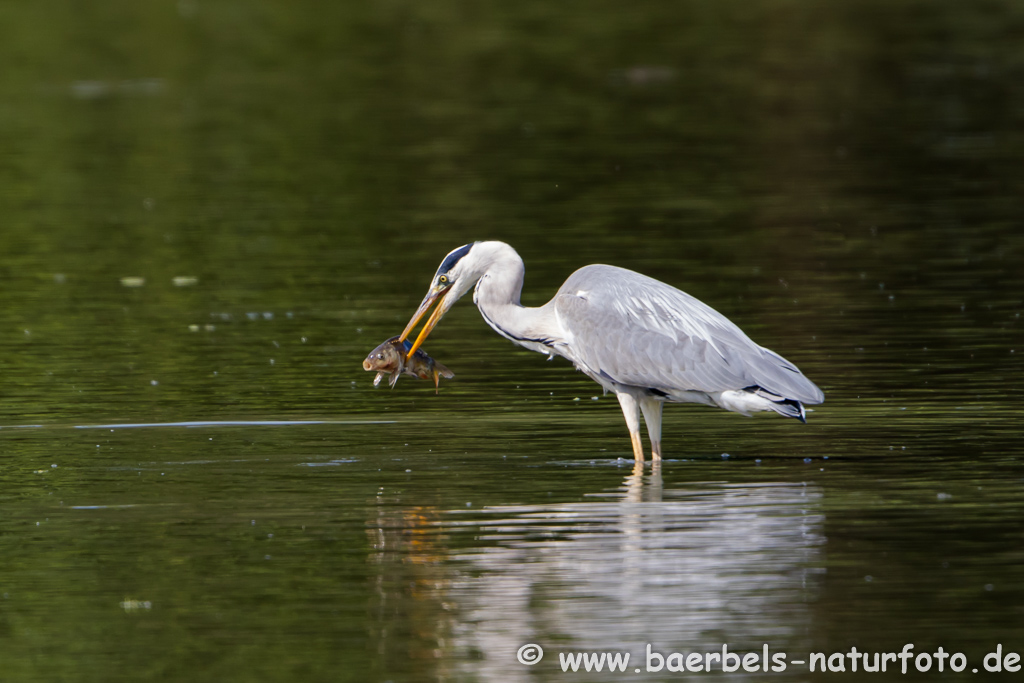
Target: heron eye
<point>443,280</point>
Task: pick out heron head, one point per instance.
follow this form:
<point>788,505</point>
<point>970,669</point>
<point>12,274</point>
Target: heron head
<point>454,277</point>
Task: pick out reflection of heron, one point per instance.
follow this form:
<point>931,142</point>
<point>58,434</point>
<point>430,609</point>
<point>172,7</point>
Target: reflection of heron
<point>644,340</point>
<point>686,568</point>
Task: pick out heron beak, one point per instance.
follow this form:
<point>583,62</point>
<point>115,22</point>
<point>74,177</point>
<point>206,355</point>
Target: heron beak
<point>435,317</point>
<point>425,305</point>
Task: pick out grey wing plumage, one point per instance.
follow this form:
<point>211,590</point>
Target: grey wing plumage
<point>638,331</point>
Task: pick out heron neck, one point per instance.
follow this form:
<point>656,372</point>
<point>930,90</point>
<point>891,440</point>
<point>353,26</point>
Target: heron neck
<point>497,296</point>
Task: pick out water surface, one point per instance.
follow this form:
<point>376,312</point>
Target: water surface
<point>212,211</point>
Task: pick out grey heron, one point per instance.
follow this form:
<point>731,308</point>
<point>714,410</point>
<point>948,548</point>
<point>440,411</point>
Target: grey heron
<point>643,340</point>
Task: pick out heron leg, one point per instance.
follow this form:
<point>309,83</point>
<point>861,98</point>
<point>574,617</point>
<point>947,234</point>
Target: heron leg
<point>631,411</point>
<point>652,416</point>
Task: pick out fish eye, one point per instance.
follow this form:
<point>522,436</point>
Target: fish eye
<point>380,356</point>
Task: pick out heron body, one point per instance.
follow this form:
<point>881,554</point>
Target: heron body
<point>640,338</point>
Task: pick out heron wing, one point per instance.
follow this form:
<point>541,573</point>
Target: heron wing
<point>637,331</point>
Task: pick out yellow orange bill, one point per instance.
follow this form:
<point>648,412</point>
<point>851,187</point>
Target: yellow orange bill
<point>425,305</point>
<point>434,318</point>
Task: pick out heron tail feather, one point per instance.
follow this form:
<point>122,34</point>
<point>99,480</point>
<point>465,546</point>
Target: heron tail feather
<point>788,407</point>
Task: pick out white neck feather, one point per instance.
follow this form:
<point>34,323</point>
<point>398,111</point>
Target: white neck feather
<point>497,295</point>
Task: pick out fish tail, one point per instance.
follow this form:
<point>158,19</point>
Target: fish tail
<point>441,369</point>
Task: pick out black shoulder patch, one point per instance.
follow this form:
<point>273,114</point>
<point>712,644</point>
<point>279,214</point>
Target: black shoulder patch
<point>453,257</point>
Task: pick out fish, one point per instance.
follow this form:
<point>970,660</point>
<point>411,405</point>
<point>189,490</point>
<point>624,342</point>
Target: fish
<point>390,359</point>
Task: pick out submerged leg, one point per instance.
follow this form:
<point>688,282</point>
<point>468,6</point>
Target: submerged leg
<point>631,411</point>
<point>652,416</point>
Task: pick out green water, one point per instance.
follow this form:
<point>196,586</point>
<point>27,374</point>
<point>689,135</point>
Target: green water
<point>211,211</point>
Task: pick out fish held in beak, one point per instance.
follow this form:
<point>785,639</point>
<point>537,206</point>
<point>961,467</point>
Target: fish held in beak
<point>389,360</point>
<point>386,359</point>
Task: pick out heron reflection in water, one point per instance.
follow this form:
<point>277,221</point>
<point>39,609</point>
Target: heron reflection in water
<point>640,338</point>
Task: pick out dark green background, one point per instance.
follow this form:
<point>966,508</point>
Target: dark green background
<point>842,179</point>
